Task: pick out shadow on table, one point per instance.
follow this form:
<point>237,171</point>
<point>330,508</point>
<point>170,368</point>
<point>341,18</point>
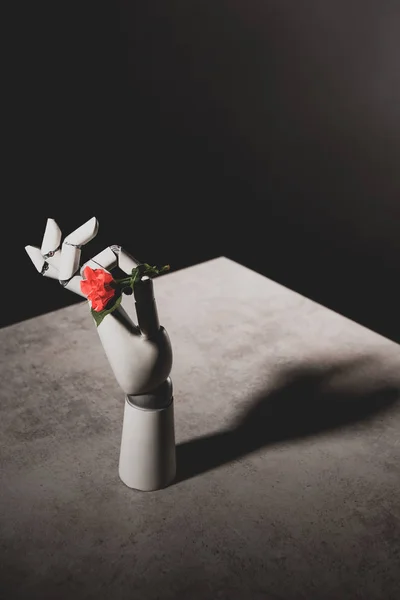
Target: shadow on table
<point>305,402</point>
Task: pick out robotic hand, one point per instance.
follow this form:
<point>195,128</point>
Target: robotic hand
<point>137,347</point>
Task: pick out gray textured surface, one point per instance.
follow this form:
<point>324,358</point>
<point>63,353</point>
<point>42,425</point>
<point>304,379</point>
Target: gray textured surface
<point>287,431</point>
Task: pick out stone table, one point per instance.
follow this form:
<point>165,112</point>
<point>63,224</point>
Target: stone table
<point>287,426</point>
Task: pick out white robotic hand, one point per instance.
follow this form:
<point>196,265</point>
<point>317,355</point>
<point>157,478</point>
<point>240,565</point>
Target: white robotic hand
<point>137,347</point>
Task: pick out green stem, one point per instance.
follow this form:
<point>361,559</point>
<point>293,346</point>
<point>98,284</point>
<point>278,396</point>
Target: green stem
<point>139,271</point>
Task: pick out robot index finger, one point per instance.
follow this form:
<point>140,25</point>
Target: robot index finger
<point>71,248</point>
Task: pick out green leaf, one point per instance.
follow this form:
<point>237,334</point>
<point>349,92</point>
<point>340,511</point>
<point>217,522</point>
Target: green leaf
<point>98,316</point>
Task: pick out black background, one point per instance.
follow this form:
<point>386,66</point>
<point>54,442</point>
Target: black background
<point>265,132</point>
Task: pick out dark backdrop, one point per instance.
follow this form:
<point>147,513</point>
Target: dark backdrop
<point>268,132</point>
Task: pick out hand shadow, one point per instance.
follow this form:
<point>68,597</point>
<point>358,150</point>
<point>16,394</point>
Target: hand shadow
<point>304,403</point>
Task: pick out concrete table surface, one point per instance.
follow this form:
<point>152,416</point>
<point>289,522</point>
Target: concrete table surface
<point>287,429</point>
